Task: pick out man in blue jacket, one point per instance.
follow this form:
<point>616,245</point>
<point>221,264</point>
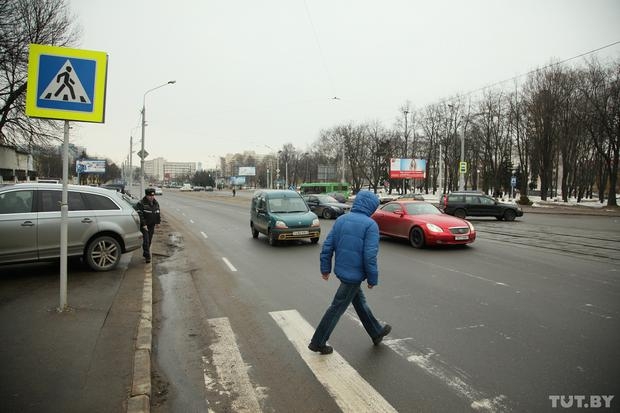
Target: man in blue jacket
<point>354,240</point>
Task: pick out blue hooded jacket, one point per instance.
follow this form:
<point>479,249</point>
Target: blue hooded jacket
<point>355,241</point>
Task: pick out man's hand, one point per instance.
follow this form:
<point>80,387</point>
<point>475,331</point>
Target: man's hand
<point>370,286</point>
<point>325,276</point>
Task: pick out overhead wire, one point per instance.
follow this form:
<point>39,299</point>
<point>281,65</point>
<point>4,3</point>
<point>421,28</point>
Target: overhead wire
<point>318,43</point>
<point>539,69</point>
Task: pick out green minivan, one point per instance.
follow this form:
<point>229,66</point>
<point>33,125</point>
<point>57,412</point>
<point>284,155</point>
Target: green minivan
<point>282,215</point>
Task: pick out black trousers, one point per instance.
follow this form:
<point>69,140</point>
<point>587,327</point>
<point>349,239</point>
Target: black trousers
<point>147,238</point>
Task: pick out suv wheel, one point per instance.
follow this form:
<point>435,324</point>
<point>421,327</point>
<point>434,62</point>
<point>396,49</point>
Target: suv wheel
<point>327,214</point>
<point>460,213</point>
<point>103,253</point>
<point>509,215</point>
<point>254,231</point>
<point>416,237</point>
<point>314,240</point>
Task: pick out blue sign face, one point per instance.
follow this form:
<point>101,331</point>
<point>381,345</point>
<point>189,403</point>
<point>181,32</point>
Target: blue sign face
<point>66,83</point>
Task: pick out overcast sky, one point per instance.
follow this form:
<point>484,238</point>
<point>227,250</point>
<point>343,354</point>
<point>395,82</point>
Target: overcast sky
<point>258,74</point>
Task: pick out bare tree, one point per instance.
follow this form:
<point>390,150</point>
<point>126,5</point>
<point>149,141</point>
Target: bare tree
<point>23,22</point>
<point>601,90</point>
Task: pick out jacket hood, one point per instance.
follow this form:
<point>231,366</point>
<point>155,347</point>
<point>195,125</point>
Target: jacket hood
<point>365,202</point>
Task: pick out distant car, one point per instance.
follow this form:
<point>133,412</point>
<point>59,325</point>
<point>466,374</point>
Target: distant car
<point>198,188</point>
<point>338,197</point>
<point>411,196</point>
<point>103,224</point>
<point>158,190</point>
<point>282,215</point>
<point>384,197</point>
<point>326,206</point>
<point>115,187</point>
<point>465,204</point>
<point>209,188</point>
<point>185,187</point>
<point>423,224</point>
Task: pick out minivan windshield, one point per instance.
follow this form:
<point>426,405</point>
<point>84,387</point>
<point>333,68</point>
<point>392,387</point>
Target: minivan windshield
<point>287,205</point>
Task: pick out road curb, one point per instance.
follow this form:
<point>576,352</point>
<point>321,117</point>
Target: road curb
<point>140,398</point>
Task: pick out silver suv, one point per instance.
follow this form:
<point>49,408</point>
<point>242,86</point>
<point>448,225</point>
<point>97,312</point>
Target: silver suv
<point>102,224</point>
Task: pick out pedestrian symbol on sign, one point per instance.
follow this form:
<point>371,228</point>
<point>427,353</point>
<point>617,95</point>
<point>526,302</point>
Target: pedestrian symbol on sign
<point>66,87</point>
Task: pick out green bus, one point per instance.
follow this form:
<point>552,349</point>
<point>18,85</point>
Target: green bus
<point>342,188</point>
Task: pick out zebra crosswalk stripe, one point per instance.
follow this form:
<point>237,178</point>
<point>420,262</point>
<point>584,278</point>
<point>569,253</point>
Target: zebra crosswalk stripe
<point>350,391</point>
<point>232,372</point>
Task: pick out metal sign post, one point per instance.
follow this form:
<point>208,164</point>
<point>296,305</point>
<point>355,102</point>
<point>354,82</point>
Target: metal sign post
<point>64,219</point>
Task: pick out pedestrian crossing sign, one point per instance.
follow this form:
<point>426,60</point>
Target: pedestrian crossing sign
<point>68,84</point>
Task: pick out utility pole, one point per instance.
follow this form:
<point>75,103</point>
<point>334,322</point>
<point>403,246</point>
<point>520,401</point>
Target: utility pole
<point>405,112</point>
<point>130,180</point>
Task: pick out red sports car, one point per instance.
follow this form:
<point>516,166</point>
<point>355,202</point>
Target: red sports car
<point>422,224</point>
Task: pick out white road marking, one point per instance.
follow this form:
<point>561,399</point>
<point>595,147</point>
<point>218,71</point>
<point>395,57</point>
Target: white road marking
<point>232,373</point>
<point>232,268</point>
<point>191,221</point>
<point>453,377</point>
<point>350,391</point>
<point>203,234</point>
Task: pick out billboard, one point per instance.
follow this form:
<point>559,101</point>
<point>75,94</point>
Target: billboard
<point>90,166</point>
<point>407,168</point>
<point>247,171</point>
<point>237,180</point>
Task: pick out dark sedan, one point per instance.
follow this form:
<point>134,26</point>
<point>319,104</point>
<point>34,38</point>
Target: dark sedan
<point>326,206</point>
<point>422,224</point>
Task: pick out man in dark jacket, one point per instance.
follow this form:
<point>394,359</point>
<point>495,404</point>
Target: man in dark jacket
<point>354,239</point>
<point>148,209</point>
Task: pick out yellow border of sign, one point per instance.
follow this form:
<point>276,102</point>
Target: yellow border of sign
<point>101,73</point>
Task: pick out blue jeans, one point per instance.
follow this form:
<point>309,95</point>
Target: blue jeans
<point>346,294</point>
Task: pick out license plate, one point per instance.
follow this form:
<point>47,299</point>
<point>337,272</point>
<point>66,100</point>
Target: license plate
<point>461,237</point>
<point>300,232</point>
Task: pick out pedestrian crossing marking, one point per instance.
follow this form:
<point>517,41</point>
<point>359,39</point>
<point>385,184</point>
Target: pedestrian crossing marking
<point>232,372</point>
<point>66,86</point>
<point>350,391</point>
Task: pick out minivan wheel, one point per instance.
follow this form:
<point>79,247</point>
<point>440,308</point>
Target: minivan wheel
<point>327,214</point>
<point>509,215</point>
<point>103,253</point>
<point>254,231</point>
<point>460,213</point>
<point>272,238</point>
<point>416,238</point>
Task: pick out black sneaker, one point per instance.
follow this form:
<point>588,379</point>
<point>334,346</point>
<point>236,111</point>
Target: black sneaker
<point>321,349</point>
<point>148,259</point>
<point>385,332</point>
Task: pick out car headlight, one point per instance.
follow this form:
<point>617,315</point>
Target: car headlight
<point>315,222</point>
<point>471,226</point>
<point>281,224</point>
<point>433,227</point>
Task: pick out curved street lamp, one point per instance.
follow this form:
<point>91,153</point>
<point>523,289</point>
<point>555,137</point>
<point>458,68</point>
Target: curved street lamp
<point>142,153</point>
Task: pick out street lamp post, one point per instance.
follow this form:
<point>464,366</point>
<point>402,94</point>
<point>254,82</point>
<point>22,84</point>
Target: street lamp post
<point>278,170</point>
<point>142,154</point>
<point>405,112</point>
<point>461,173</point>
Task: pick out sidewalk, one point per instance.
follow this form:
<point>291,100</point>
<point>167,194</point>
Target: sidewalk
<point>80,360</point>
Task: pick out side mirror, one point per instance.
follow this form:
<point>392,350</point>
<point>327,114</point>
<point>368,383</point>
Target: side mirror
<point>399,212</point>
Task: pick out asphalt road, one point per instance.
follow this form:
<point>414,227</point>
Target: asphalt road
<point>530,311</point>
